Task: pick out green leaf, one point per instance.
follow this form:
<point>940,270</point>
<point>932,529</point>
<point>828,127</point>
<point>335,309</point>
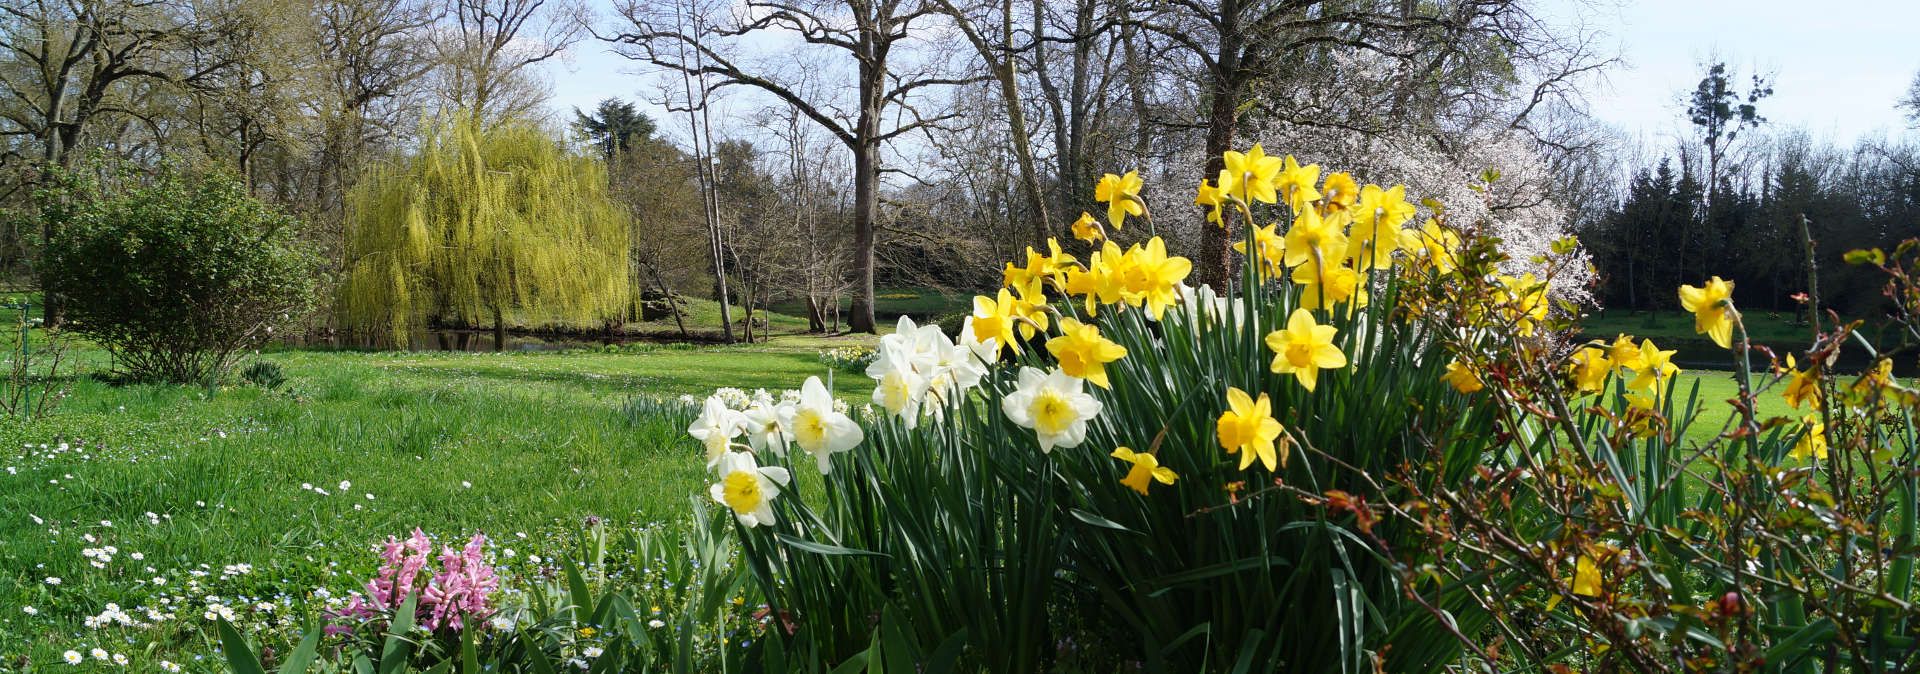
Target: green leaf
<point>1099,521</point>
<point>394,653</point>
<point>822,548</point>
<point>469,655</point>
<point>302,656</point>
<point>577,587</point>
<point>240,657</point>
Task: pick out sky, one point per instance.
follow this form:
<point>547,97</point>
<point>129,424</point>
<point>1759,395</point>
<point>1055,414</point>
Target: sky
<point>1838,66</point>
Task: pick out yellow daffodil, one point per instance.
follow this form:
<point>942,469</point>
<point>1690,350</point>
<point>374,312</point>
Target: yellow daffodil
<point>1213,199</point>
<point>1376,226</point>
<point>1313,235</point>
<point>1304,348</point>
<point>1030,303</point>
<point>1038,266</point>
<point>1083,353</point>
<point>1590,369</point>
<point>1248,428</point>
<point>1146,470</point>
<point>1340,191</point>
<point>1152,277</point>
<point>1103,280</point>
<point>1710,306</point>
<point>1121,194</point>
<point>1249,177</point>
<point>1271,250</point>
<point>1435,243</point>
<point>1462,376</point>
<point>1296,182</point>
<point>1326,283</point>
<point>1802,386</point>
<point>1654,366</point>
<point>1813,439</point>
<point>1088,229</point>
<point>1623,353</point>
<point>995,317</point>
<point>1586,577</point>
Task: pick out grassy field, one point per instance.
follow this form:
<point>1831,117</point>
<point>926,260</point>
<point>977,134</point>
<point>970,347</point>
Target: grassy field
<point>253,497</point>
<point>893,302</point>
<point>187,485</point>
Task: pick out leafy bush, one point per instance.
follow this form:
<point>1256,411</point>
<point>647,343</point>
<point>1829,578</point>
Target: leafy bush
<point>175,275</point>
<point>265,374</point>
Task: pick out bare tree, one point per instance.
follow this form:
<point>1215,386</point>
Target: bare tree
<point>869,35</point>
<point>490,46</point>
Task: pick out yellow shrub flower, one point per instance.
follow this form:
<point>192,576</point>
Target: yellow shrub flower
<point>1083,353</point>
<point>1435,243</point>
<point>1376,226</point>
<point>1121,194</point>
<point>1212,198</point>
<point>1248,428</point>
<point>1813,440</point>
<point>1088,229</point>
<point>1296,182</point>
<point>1710,307</point>
<point>1146,469</point>
<point>1590,369</point>
<point>1524,301</point>
<point>1324,284</point>
<point>1304,348</point>
<point>1463,378</point>
<point>1340,191</point>
<point>1270,250</point>
<point>1249,177</point>
<point>1313,235</point>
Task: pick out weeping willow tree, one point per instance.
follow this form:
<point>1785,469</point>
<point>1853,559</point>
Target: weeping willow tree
<point>484,225</point>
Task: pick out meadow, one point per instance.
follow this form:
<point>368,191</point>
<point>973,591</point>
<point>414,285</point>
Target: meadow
<point>269,496</point>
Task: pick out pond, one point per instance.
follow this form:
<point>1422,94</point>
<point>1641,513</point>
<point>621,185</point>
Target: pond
<point>482,341</point>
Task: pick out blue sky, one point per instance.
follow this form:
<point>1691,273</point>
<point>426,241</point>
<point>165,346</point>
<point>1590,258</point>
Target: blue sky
<point>1838,65</point>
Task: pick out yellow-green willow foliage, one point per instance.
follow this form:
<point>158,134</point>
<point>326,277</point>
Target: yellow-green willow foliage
<point>483,225</point>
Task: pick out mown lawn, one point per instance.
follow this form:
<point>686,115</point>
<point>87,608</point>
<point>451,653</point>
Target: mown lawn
<point>185,484</point>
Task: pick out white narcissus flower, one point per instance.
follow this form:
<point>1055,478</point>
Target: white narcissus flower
<point>766,425</point>
<point>716,427</point>
<point>748,488</point>
<point>819,427</point>
<point>1053,405</point>
<point>901,386</point>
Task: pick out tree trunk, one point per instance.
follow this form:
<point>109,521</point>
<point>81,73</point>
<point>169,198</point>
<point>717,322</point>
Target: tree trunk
<point>1213,261</point>
<point>866,193</point>
<point>499,330</point>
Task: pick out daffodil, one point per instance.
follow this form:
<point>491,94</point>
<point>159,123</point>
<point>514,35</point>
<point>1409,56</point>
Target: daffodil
<point>1463,377</point>
<point>1051,265</point>
<point>1103,280</point>
<point>1152,277</point>
<point>1803,386</point>
<point>748,489</point>
<point>818,428</point>
<point>1296,182</point>
<point>1313,235</point>
<point>1270,250</point>
<point>1654,366</point>
<point>1710,306</point>
<point>1340,191</point>
<point>1146,470</point>
<point>1435,243</point>
<point>1623,353</point>
<point>1325,283</point>
<point>1249,177</point>
<point>1054,405</point>
<point>1214,200</point>
<point>766,427</point>
<point>1376,226</point>
<point>1586,577</point>
<point>1030,304</point>
<point>994,319</point>
<point>1121,194</point>
<point>1248,428</point>
<point>1083,353</point>
<point>716,427</point>
<point>1304,348</point>
<point>1813,439</point>
<point>1088,229</point>
<point>1590,369</point>
<point>900,389</point>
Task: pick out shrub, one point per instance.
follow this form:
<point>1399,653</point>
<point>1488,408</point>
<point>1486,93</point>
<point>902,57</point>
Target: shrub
<point>174,274</point>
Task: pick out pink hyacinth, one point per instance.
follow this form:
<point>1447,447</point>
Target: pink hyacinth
<point>460,591</point>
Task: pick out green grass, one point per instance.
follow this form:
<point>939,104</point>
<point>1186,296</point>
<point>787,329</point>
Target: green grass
<point>450,442</point>
<point>923,304</point>
<point>1662,326</point>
